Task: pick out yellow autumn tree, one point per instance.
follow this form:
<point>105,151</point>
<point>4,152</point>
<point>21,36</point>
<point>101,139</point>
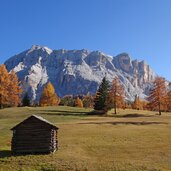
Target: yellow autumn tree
<point>14,90</point>
<point>4,81</point>
<point>168,101</point>
<point>137,103</point>
<point>116,96</point>
<point>158,94</point>
<point>78,102</point>
<point>10,89</point>
<point>48,96</point>
<point>88,101</point>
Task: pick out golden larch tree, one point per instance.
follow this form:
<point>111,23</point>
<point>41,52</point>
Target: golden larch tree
<point>14,90</point>
<point>10,89</point>
<point>168,101</point>
<point>137,103</point>
<point>78,102</point>
<point>48,96</point>
<point>158,94</point>
<point>4,81</point>
<point>88,100</point>
<point>116,95</point>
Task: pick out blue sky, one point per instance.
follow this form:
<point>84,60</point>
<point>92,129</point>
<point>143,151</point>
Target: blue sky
<point>141,28</point>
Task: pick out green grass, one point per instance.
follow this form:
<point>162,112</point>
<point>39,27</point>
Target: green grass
<point>130,141</point>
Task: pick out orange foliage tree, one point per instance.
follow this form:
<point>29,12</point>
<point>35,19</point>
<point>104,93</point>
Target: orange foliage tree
<point>10,89</point>
<point>139,104</point>
<point>14,90</point>
<point>158,94</point>
<point>48,96</point>
<point>168,101</point>
<point>78,102</point>
<point>88,100</point>
<point>116,96</point>
<point>4,81</point>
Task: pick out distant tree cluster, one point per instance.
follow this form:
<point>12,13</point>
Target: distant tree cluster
<point>67,100</point>
<point>86,101</point>
<point>10,89</point>
<point>139,104</point>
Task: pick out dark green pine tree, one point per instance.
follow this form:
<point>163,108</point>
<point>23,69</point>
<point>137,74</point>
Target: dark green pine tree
<point>101,95</point>
<point>26,100</point>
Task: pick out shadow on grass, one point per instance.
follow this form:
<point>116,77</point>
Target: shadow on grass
<point>69,113</point>
<point>5,153</point>
<point>8,153</point>
<point>125,123</point>
<point>134,115</point>
<point>91,113</point>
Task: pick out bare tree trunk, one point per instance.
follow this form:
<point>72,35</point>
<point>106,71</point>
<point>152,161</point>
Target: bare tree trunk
<point>1,106</point>
<point>159,109</point>
<point>115,108</point>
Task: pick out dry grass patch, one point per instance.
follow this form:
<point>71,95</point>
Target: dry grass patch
<point>126,142</point>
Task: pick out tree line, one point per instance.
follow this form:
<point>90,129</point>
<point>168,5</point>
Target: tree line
<point>11,94</point>
<point>112,96</point>
<point>108,96</point>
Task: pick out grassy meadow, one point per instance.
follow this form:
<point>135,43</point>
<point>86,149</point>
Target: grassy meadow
<point>130,141</point>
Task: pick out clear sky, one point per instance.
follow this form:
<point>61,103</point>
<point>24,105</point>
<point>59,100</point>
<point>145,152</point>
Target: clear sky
<point>141,28</point>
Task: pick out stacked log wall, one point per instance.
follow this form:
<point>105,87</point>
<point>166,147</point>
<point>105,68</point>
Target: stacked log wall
<point>34,136</point>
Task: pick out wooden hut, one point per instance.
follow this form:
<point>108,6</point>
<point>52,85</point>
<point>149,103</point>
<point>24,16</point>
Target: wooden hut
<point>34,135</point>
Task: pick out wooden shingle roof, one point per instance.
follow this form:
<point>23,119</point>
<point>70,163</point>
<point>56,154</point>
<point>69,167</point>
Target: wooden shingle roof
<point>37,117</point>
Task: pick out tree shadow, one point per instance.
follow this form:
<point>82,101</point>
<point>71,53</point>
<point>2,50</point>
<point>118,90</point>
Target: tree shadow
<point>125,123</point>
<point>5,153</point>
<point>67,113</point>
<point>134,115</point>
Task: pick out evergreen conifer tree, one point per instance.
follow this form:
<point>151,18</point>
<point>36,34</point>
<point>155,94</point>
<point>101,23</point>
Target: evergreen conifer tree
<point>26,100</point>
<point>101,95</point>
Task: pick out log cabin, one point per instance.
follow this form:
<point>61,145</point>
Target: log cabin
<point>34,135</point>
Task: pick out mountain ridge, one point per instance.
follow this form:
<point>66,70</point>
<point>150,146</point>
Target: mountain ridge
<point>78,71</point>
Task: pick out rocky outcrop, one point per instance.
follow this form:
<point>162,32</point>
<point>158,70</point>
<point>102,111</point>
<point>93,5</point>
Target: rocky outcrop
<point>78,71</point>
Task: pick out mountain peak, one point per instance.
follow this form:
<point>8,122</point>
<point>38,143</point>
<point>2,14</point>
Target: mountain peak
<point>123,55</point>
<point>38,47</point>
<point>35,47</point>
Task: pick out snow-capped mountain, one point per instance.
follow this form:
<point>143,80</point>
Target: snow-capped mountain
<point>78,71</point>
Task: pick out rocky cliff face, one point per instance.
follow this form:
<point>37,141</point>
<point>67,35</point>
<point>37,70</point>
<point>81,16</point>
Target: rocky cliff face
<point>78,71</point>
